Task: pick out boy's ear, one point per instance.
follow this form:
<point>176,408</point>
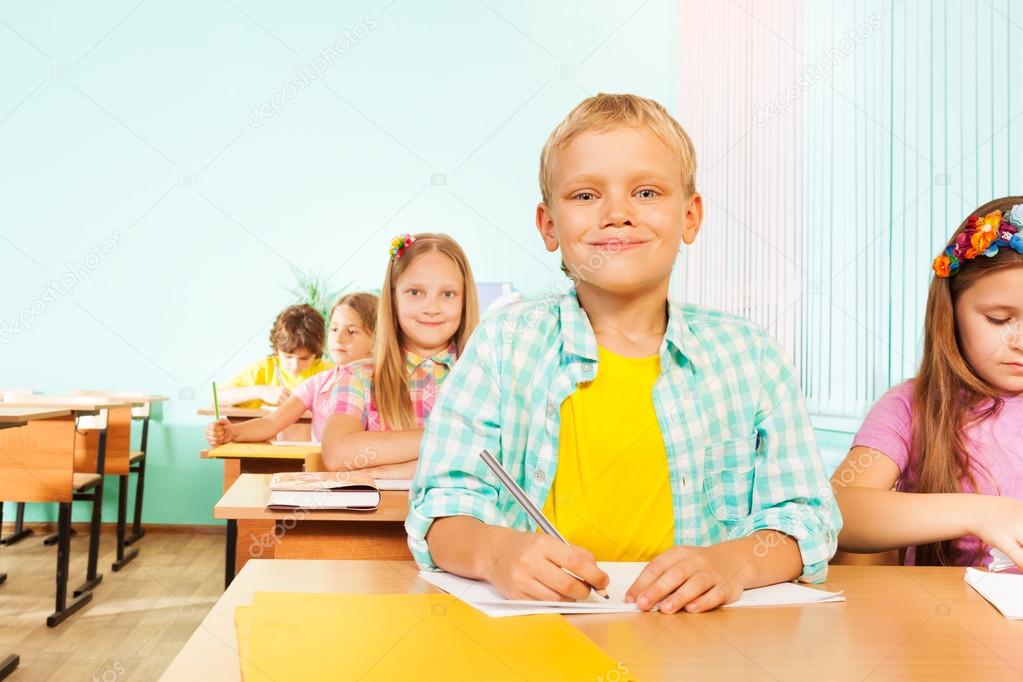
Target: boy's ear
<point>545,226</point>
<point>693,219</point>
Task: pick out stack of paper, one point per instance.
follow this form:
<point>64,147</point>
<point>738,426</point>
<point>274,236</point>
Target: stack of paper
<point>1003,590</point>
<point>486,598</point>
<point>311,637</point>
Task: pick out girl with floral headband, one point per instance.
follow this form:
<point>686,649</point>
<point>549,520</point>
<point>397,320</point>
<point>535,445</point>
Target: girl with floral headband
<point>937,467</point>
<point>428,309</point>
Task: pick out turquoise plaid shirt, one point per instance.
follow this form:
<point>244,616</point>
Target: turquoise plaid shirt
<point>741,451</point>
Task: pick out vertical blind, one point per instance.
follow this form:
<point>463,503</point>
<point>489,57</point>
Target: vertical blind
<point>840,144</point>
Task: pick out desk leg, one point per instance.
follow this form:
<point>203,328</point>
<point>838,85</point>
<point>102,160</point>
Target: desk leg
<point>122,519</point>
<point>92,577</point>
<point>63,609</point>
<point>20,532</point>
<point>8,664</point>
<point>230,550</point>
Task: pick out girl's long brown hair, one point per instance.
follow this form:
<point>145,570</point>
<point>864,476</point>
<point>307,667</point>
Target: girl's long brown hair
<point>947,391</point>
<point>390,376</point>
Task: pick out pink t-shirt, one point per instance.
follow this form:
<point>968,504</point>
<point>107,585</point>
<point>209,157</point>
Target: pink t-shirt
<point>317,393</point>
<point>995,447</point>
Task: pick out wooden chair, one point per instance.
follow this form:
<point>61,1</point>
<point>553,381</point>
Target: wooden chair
<point>37,464</point>
<point>889,558</point>
<point>115,425</point>
<point>314,462</point>
<point>137,461</point>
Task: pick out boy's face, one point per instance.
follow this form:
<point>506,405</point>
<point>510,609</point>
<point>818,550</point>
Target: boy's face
<point>618,210</point>
<point>297,361</point>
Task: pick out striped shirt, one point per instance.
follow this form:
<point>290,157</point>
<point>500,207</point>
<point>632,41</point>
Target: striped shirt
<point>353,389</point>
<point>741,451</point>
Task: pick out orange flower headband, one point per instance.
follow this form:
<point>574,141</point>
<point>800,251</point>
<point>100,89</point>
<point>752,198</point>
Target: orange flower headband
<point>984,235</point>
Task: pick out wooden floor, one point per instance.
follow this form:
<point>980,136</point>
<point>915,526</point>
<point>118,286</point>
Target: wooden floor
<point>138,618</point>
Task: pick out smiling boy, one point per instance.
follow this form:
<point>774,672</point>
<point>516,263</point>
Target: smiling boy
<point>649,431</point>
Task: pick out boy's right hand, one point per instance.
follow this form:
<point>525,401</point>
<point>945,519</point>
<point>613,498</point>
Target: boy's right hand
<point>274,395</point>
<point>530,566</point>
<point>219,432</point>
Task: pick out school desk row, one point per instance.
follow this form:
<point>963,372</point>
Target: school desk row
<point>57,449</point>
<point>897,623</point>
<point>60,454</point>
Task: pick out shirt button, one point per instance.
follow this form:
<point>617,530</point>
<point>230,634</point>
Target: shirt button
<point>550,409</point>
<point>540,476</point>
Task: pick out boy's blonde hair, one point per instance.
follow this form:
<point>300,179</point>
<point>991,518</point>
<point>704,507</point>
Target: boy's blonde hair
<point>605,112</point>
<point>390,376</point>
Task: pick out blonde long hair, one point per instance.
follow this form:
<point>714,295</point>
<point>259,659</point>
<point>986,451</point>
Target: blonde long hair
<point>390,376</point>
<point>947,391</point>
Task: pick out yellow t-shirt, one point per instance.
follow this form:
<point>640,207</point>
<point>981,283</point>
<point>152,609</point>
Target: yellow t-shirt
<point>267,372</point>
<point>612,492</point>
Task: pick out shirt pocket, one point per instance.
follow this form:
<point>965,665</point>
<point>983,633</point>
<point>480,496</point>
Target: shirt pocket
<point>728,480</point>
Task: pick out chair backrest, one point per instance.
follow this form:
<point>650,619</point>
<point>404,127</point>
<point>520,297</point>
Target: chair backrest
<point>117,421</point>
<point>314,462</point>
<point>37,461</point>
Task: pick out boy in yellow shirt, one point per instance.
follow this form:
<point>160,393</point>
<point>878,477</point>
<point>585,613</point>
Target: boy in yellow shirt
<point>297,338</point>
<point>648,430</point>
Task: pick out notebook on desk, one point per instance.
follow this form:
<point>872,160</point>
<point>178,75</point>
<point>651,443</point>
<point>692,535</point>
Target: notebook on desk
<point>323,490</point>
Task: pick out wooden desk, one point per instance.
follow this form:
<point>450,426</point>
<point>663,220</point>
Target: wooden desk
<point>92,456</point>
<point>13,417</point>
<point>255,532</point>
<point>243,413</point>
<point>19,416</point>
<point>257,463</point>
<point>253,458</point>
<point>899,623</point>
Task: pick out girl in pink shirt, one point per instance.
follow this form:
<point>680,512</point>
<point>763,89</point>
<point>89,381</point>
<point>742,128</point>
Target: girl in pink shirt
<point>350,337</point>
<point>937,467</point>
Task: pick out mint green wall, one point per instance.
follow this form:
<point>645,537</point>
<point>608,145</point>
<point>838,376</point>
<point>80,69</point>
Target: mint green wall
<point>135,174</point>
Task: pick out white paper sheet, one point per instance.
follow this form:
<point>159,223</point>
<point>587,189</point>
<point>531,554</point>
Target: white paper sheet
<point>1003,590</point>
<point>393,483</point>
<point>486,598</point>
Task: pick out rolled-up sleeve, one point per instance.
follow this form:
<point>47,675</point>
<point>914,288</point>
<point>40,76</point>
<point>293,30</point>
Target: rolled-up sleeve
<point>791,493</point>
<point>451,479</point>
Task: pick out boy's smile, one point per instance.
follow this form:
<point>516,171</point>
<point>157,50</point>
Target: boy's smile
<point>618,211</point>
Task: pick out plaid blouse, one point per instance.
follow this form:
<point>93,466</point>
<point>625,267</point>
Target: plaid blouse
<point>741,451</point>
<point>353,390</point>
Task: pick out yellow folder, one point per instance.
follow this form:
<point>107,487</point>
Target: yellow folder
<point>385,637</point>
<point>261,450</point>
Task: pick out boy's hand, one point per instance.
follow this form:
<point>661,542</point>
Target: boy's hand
<point>274,395</point>
<point>530,567</point>
<point>219,432</point>
<point>694,578</point>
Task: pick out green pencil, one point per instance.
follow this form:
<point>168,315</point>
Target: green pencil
<point>216,404</point>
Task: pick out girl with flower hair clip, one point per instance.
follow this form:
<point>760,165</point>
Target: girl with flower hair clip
<point>937,466</point>
<point>428,310</point>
